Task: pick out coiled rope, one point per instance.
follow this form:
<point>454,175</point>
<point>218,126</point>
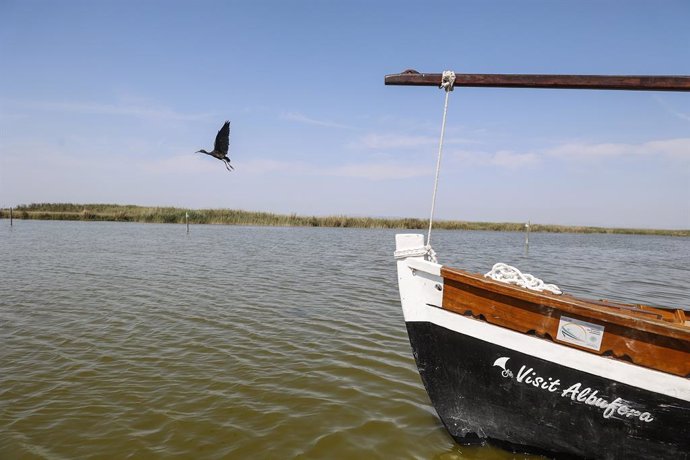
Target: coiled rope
<point>424,251</point>
<point>511,275</point>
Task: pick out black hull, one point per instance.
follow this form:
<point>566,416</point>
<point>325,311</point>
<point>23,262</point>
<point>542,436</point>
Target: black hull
<point>483,391</point>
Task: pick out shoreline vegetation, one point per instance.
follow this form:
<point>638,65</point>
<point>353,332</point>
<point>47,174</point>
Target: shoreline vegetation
<point>171,215</point>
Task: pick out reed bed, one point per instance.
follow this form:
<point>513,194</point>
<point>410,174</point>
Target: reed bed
<point>172,215</point>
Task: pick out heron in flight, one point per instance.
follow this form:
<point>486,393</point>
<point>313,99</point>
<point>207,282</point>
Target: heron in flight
<point>220,147</point>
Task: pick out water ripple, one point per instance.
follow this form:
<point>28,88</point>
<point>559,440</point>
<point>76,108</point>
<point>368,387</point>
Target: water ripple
<point>130,340</point>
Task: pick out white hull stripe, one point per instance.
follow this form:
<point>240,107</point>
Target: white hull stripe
<point>629,374</point>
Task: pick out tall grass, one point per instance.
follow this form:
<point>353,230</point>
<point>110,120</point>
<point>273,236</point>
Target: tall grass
<point>131,213</point>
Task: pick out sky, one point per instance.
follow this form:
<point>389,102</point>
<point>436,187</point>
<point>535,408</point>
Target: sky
<point>108,101</point>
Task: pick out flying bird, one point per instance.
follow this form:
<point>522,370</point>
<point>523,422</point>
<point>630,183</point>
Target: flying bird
<point>220,147</point>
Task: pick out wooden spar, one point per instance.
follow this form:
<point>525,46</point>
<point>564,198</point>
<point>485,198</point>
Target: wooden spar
<point>612,82</point>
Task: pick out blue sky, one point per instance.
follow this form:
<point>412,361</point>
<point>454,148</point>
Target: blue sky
<point>107,101</point>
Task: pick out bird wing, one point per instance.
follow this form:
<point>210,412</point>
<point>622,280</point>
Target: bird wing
<point>223,139</point>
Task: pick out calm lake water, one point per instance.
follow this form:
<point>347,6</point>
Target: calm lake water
<point>123,340</point>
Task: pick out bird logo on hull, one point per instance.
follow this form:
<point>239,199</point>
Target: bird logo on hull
<point>501,362</point>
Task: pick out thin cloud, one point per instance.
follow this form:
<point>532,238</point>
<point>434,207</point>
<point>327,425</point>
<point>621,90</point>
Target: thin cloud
<point>671,110</point>
<point>401,141</point>
<point>300,118</point>
<point>269,166</point>
<point>91,108</point>
<point>5,116</point>
<point>676,149</point>
<point>393,141</point>
<point>179,164</point>
<point>502,158</point>
<point>385,170</point>
<point>670,148</point>
<point>380,171</point>
<point>510,159</point>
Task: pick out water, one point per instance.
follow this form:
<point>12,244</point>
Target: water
<point>140,341</point>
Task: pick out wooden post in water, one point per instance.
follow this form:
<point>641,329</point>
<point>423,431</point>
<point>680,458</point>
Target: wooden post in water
<point>186,219</point>
<point>10,216</point>
<point>527,233</point>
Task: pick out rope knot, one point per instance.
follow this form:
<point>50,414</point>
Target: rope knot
<point>447,80</point>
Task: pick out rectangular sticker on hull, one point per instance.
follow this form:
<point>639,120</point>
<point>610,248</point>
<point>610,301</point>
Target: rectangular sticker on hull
<point>580,333</point>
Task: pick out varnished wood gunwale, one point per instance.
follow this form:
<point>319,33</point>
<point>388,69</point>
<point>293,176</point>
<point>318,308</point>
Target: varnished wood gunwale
<point>646,336</point>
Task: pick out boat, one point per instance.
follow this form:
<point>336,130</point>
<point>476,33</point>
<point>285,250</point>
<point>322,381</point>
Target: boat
<point>538,371</point>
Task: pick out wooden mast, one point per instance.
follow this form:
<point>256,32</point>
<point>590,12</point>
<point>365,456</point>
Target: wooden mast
<point>611,82</point>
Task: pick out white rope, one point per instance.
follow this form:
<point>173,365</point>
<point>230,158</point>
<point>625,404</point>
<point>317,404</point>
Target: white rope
<point>507,274</point>
<point>500,271</point>
<point>447,81</point>
<point>424,251</point>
